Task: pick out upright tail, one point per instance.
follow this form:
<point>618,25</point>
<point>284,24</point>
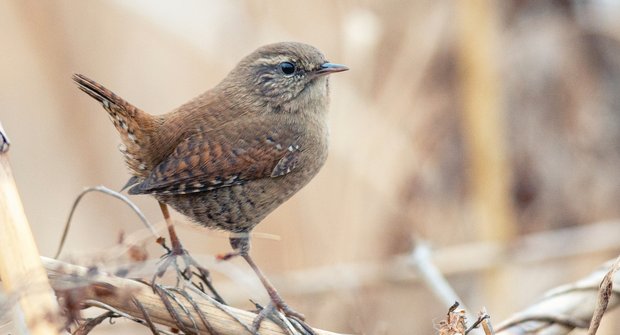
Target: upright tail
<point>134,125</point>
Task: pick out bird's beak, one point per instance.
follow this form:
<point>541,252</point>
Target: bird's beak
<point>327,68</point>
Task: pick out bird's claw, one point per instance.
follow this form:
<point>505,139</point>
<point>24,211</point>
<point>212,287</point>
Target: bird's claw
<point>293,319</point>
<point>185,273</point>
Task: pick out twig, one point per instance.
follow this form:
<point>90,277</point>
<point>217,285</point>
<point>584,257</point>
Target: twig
<point>202,275</point>
<point>165,297</point>
<point>546,320</point>
<point>202,316</point>
<point>604,294</point>
<point>562,309</point>
<point>90,324</point>
<point>109,192</point>
<point>19,259</point>
<point>484,321</point>
<point>146,317</point>
<point>221,306</point>
<point>421,260</point>
<point>141,321</point>
<point>120,291</point>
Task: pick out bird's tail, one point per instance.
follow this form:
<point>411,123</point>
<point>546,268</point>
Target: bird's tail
<point>134,125</point>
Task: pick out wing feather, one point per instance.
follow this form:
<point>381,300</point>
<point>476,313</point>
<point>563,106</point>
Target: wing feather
<point>215,159</point>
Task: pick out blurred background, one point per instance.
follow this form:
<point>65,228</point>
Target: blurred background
<point>487,131</point>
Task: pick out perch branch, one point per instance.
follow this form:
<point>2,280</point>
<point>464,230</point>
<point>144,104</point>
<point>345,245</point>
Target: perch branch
<point>178,309</point>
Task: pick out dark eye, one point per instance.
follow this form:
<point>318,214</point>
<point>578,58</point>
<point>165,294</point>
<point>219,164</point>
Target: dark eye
<point>287,68</point>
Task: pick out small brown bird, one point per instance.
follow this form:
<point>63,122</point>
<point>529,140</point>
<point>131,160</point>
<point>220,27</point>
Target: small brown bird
<point>230,156</point>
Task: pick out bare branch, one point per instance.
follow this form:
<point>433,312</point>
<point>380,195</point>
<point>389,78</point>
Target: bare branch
<point>111,193</point>
<point>563,309</point>
<point>604,294</point>
<point>176,310</point>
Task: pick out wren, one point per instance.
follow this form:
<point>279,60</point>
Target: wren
<point>229,157</point>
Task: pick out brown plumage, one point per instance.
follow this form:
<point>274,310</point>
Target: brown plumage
<point>230,156</point>
<point>135,126</point>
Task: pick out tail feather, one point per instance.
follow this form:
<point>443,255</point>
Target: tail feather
<point>133,125</point>
<point>93,89</point>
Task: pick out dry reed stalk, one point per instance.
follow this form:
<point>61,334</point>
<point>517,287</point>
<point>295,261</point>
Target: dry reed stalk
<point>20,266</point>
<point>483,124</point>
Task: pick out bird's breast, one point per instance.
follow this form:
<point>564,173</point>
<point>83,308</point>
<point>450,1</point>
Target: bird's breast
<point>313,149</point>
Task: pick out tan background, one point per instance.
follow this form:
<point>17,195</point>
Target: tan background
<point>397,167</point>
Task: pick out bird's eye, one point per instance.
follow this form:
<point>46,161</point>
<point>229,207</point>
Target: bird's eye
<point>287,68</point>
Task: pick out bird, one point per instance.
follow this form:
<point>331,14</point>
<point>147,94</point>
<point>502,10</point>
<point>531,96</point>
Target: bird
<point>230,156</point>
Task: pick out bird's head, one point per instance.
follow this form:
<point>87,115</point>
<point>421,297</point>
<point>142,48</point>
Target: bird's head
<point>287,76</point>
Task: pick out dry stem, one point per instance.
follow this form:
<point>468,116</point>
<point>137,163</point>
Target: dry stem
<point>19,260</point>
<point>564,308</point>
<point>190,310</point>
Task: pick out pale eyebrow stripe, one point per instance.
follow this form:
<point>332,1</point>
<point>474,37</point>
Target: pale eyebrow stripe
<point>275,60</point>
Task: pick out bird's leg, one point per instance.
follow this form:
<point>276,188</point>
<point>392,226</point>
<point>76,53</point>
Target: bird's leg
<point>177,250</point>
<point>240,242</point>
<point>273,293</point>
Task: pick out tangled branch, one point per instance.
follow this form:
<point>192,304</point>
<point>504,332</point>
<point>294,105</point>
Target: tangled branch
<point>186,308</point>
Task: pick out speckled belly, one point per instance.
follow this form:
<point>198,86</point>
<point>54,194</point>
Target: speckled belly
<point>241,207</point>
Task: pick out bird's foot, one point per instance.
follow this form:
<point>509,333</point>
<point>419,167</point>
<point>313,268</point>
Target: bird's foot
<point>240,242</point>
<point>295,319</point>
<point>186,272</point>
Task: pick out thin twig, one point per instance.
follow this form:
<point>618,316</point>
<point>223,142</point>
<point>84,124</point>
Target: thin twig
<point>127,316</point>
<point>483,320</point>
<point>475,325</point>
<point>222,307</point>
<point>202,316</point>
<point>163,295</point>
<point>109,192</point>
<point>147,318</point>
<point>562,320</point>
<point>87,326</point>
<point>562,309</point>
<point>421,260</point>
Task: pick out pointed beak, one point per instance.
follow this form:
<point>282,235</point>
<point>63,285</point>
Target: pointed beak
<point>327,68</point>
